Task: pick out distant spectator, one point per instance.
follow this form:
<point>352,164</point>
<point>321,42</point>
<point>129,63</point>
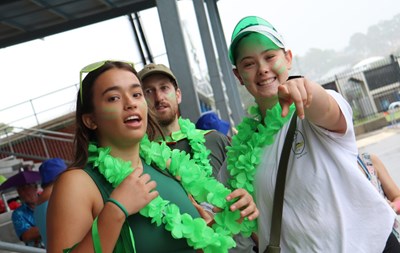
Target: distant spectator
<point>22,217</point>
<point>210,120</point>
<point>49,171</point>
<point>379,176</point>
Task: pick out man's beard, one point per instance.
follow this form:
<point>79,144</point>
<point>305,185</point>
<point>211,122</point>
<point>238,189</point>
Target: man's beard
<point>167,120</point>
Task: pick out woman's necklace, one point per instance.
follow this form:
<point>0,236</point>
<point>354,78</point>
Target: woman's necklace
<point>254,134</point>
<point>196,141</point>
<point>195,180</point>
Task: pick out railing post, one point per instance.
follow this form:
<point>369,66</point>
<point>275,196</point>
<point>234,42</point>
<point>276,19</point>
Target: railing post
<point>9,143</point>
<point>46,151</point>
<point>34,112</point>
<point>3,197</point>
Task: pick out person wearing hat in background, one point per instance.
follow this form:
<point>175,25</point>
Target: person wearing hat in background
<point>49,171</point>
<point>328,205</point>
<point>207,147</point>
<point>163,97</point>
<point>22,217</point>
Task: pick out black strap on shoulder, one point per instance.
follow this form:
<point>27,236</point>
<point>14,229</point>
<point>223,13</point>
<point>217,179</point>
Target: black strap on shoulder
<point>276,222</point>
<point>364,167</point>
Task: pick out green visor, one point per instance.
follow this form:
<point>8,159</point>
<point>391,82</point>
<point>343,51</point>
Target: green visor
<point>92,67</point>
<point>253,24</point>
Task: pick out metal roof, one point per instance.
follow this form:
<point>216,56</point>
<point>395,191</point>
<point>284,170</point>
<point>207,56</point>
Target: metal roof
<point>25,20</point>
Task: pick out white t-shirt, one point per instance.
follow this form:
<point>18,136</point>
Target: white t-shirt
<point>329,206</point>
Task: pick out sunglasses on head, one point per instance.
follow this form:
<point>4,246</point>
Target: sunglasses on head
<point>92,67</point>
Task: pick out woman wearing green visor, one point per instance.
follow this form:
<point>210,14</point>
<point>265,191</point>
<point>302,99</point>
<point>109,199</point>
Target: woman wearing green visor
<point>328,204</point>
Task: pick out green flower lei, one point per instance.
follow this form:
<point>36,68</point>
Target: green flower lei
<point>195,180</point>
<point>254,134</point>
<point>196,141</point>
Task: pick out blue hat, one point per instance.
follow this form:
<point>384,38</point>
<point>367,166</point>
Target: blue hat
<point>210,120</point>
<point>50,169</point>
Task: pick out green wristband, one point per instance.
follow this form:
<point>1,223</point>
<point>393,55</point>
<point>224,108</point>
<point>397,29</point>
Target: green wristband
<point>123,209</point>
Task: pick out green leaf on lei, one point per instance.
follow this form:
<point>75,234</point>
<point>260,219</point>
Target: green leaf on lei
<point>173,221</point>
<point>196,141</point>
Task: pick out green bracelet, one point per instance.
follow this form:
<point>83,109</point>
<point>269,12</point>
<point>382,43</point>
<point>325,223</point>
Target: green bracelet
<point>123,209</point>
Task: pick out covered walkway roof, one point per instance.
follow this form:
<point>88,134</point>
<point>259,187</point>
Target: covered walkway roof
<point>26,20</point>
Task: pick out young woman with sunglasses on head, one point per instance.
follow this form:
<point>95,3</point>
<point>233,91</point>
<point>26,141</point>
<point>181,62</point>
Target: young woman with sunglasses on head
<point>122,190</point>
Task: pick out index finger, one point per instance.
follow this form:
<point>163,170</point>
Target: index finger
<point>297,98</point>
<point>298,101</point>
<point>307,101</point>
<point>284,99</point>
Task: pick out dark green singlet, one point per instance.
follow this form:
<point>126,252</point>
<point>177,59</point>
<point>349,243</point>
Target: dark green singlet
<point>148,237</point>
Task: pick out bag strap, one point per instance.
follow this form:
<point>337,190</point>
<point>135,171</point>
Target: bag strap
<point>276,222</point>
<point>363,166</point>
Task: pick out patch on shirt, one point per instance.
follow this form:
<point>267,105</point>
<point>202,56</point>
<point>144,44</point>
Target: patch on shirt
<point>299,144</point>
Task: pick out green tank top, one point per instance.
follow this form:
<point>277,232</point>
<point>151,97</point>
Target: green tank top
<point>148,237</point>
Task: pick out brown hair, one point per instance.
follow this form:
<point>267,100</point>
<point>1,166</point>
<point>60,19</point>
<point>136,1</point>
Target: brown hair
<point>84,135</point>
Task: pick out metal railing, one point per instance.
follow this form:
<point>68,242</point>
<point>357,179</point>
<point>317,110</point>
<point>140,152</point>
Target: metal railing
<point>23,126</point>
<point>12,247</point>
<point>369,89</point>
<point>40,110</point>
<point>36,144</point>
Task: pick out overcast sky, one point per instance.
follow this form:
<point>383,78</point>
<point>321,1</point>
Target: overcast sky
<point>35,68</point>
<point>312,23</point>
